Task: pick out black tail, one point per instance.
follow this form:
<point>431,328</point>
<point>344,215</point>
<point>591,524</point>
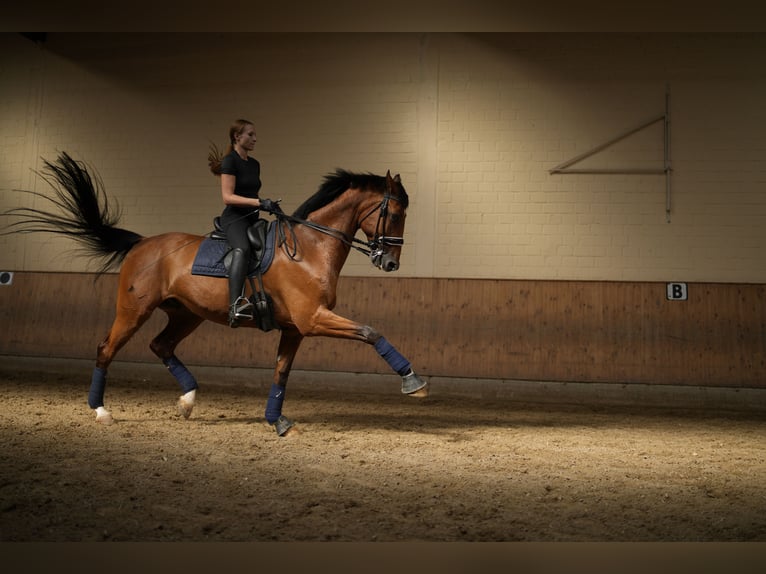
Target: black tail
<point>86,214</point>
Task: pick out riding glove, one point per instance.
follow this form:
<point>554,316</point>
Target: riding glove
<point>270,206</point>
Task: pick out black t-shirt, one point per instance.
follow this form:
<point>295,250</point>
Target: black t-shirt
<point>248,174</point>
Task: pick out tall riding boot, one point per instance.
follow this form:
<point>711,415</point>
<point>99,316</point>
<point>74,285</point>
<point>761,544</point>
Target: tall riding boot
<point>240,307</point>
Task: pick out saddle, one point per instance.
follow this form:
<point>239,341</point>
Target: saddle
<point>214,259</point>
<point>256,235</point>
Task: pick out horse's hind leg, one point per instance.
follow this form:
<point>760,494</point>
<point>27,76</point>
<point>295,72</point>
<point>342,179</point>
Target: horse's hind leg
<point>123,328</point>
<point>181,323</point>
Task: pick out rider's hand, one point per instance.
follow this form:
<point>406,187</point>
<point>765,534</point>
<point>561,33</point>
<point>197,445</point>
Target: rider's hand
<point>270,206</point>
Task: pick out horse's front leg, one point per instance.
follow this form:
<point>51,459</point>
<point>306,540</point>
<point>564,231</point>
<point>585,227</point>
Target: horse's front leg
<point>289,343</point>
<point>328,324</point>
<point>412,384</point>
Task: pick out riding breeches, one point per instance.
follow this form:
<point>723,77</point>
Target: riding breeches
<point>235,227</point>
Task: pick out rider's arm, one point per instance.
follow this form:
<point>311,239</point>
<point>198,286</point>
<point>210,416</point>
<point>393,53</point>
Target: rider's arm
<point>228,183</point>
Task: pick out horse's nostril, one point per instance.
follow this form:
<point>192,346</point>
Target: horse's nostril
<point>392,266</point>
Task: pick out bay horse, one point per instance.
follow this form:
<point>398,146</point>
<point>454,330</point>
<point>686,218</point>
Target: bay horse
<point>301,281</point>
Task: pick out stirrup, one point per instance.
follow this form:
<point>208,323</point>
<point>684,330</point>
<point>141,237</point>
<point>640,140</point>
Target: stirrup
<point>243,308</point>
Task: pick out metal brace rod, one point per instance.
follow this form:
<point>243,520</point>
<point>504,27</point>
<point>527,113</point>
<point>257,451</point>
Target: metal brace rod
<point>562,167</point>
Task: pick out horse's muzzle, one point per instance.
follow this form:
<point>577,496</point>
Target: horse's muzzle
<point>384,261</point>
<point>390,265</point>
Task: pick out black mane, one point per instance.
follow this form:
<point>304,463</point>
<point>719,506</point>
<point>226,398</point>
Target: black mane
<point>336,183</point>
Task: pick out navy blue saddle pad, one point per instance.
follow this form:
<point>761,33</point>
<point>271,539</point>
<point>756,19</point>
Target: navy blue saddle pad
<point>211,252</point>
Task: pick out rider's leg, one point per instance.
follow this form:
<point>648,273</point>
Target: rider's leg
<point>240,307</point>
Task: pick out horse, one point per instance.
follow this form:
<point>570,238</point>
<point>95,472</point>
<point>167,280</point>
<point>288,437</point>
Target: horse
<point>155,273</point>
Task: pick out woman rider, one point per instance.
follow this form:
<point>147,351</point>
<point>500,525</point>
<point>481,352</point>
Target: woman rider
<point>240,184</point>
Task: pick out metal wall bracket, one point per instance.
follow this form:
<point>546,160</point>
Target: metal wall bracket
<point>566,167</point>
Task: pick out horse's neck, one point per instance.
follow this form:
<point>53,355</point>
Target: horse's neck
<point>340,216</point>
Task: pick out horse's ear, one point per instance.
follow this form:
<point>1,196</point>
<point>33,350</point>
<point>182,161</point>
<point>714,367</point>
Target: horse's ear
<point>396,178</point>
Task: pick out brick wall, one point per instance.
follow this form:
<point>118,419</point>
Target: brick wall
<point>473,123</point>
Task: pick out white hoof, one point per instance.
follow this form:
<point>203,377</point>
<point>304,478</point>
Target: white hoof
<point>186,404</point>
<point>104,417</point>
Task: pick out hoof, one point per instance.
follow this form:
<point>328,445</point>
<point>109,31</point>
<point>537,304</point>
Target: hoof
<point>420,393</point>
<point>283,425</point>
<point>412,383</point>
<point>185,408</point>
<point>104,417</point>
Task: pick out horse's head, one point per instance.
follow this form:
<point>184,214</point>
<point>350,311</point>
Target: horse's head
<point>383,224</point>
<point>377,205</point>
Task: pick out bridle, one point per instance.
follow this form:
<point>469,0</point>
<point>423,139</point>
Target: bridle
<point>375,248</point>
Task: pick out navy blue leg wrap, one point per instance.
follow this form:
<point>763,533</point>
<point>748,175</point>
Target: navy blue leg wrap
<point>181,373</point>
<point>393,357</point>
<point>97,386</point>
<point>274,404</point>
